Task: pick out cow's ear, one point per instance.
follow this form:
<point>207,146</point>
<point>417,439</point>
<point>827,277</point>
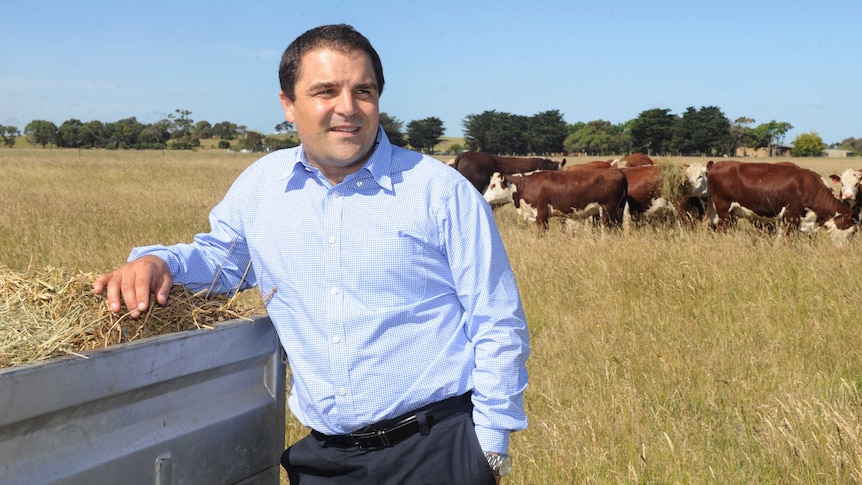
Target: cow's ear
<point>709,164</point>
<point>836,179</point>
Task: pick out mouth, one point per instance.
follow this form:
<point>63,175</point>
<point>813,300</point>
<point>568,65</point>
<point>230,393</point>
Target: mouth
<point>345,129</point>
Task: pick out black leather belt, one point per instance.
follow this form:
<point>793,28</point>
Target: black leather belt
<point>388,433</point>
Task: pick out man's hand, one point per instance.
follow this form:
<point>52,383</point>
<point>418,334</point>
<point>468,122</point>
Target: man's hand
<point>134,281</point>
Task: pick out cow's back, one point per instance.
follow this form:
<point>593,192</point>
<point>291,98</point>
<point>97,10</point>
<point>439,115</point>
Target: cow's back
<point>765,188</point>
<point>476,167</point>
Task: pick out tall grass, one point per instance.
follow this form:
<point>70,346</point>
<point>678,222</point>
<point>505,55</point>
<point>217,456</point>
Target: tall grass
<point>659,356</point>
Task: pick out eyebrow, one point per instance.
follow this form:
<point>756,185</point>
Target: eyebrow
<point>329,85</point>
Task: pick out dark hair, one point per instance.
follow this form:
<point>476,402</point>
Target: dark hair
<point>340,37</point>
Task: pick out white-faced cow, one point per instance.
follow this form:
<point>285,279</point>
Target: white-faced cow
<point>574,194</point>
<point>848,182</point>
<point>478,167</point>
<point>787,196</point>
<point>645,191</point>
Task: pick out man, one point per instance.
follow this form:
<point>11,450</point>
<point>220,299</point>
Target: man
<point>384,274</point>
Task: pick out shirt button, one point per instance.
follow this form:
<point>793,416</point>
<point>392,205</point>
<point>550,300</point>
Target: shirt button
<point>336,339</point>
<point>342,391</point>
<point>359,184</point>
<point>333,291</point>
<point>335,194</point>
<point>331,239</point>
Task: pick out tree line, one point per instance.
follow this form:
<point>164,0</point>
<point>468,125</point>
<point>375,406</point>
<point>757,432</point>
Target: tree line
<point>176,131</point>
<point>695,132</point>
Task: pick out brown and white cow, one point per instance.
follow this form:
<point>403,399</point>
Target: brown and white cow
<point>636,159</point>
<point>478,167</point>
<point>849,184</point>
<point>574,194</point>
<point>587,165</point>
<point>646,200</point>
<point>785,195</point>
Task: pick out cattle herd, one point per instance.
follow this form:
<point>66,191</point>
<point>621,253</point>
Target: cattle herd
<point>780,196</point>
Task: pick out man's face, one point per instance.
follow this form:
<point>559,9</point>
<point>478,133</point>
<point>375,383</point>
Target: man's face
<point>336,111</point>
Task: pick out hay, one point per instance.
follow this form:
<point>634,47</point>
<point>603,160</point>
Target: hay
<point>51,313</point>
<point>673,180</point>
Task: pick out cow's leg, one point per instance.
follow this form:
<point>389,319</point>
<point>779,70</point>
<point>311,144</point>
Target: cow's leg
<point>719,213</point>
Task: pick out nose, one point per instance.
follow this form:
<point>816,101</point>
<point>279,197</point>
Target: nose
<point>346,104</point>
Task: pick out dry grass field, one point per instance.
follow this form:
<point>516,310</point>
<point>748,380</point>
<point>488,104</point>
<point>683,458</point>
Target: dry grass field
<point>659,356</point>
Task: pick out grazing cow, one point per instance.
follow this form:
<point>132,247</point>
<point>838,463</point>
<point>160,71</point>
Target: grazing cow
<point>588,165</point>
<point>767,192</point>
<point>574,194</point>
<point>646,183</point>
<point>478,167</point>
<point>848,183</point>
<point>636,159</point>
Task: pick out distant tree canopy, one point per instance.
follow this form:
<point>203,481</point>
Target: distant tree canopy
<point>176,130</point>
<point>8,134</point>
<point>425,134</point>
<point>597,138</point>
<point>808,145</point>
<point>851,144</point>
<point>652,131</point>
<point>394,129</point>
<point>283,127</point>
<point>695,132</point>
<point>499,132</point>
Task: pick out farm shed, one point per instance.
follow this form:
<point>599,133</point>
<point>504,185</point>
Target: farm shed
<point>833,153</point>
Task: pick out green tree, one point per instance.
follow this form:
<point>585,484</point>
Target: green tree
<point>808,145</point>
<point>69,134</point>
<point>253,141</point>
<point>91,134</point>
<point>155,135</point>
<point>123,133</point>
<point>594,138</point>
<point>425,134</point>
<point>546,132</point>
<point>283,127</point>
<point>181,124</point>
<point>41,132</point>
<point>771,134</point>
<point>652,131</point>
<point>203,130</point>
<point>394,129</point>
<point>454,149</point>
<point>740,133</point>
<point>496,132</point>
<point>702,132</point>
<point>226,130</point>
<point>8,134</point>
<point>851,144</point>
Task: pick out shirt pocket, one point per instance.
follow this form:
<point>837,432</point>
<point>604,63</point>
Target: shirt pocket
<point>392,272</point>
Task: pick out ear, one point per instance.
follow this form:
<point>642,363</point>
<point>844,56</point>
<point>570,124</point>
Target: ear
<point>287,106</point>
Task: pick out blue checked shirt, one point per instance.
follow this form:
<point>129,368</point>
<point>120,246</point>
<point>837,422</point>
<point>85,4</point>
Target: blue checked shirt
<point>389,291</point>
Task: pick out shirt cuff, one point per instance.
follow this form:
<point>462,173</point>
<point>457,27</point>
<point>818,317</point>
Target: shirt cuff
<point>493,440</point>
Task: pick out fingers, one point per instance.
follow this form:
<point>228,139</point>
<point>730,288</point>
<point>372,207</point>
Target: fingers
<point>133,283</point>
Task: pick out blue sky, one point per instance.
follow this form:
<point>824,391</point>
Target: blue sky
<point>790,61</point>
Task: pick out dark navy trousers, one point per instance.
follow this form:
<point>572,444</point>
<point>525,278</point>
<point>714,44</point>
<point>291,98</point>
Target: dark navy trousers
<point>449,454</point>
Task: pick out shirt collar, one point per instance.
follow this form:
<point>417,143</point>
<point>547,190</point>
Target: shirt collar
<point>379,165</point>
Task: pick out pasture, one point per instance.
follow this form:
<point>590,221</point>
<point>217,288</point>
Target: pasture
<point>659,356</point>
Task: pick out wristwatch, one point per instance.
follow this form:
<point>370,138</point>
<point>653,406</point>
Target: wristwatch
<point>501,463</point>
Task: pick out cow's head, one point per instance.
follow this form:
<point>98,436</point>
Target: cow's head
<point>696,177</point>
<point>849,182</point>
<point>499,191</point>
